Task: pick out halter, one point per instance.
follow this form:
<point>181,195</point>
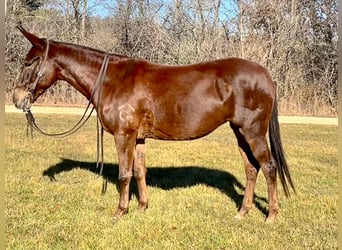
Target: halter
<point>41,70</point>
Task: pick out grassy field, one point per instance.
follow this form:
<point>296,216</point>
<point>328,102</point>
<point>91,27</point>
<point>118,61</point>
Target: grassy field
<point>53,192</point>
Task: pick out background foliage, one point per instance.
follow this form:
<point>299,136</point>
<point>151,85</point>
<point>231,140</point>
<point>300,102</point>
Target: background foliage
<point>295,40</point>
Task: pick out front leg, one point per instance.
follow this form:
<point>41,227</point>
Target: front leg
<point>125,144</point>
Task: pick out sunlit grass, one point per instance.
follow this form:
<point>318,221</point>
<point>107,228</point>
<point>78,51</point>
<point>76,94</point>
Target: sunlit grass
<point>53,199</point>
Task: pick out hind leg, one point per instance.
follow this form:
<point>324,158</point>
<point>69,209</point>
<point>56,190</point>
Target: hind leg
<point>270,172</point>
<point>259,155</point>
<point>251,170</point>
<point>262,154</point>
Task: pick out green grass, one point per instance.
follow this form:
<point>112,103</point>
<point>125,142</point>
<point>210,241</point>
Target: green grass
<point>53,200</point>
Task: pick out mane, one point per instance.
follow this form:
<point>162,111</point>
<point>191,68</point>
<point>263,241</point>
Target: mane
<point>74,46</point>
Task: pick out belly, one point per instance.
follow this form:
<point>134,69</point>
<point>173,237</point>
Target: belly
<point>186,121</point>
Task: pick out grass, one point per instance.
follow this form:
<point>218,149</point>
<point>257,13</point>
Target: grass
<point>53,200</point>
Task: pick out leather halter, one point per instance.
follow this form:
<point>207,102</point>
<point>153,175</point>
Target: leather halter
<point>33,86</point>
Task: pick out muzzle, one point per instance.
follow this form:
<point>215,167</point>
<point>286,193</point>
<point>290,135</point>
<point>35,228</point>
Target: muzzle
<point>22,99</point>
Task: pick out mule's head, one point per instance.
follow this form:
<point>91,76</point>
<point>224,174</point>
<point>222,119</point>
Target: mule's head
<point>37,74</point>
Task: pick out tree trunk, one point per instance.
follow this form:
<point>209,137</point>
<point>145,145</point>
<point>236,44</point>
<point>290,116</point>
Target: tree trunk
<point>84,17</point>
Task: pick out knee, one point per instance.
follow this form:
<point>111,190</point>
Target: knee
<point>125,177</point>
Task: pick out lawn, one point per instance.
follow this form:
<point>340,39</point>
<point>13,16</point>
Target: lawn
<point>53,192</point>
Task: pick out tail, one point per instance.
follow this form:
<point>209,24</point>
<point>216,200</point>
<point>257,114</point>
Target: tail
<point>278,151</point>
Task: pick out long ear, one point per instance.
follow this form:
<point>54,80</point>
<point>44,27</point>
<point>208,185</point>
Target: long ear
<point>34,40</point>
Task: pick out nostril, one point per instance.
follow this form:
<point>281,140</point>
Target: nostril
<point>15,97</point>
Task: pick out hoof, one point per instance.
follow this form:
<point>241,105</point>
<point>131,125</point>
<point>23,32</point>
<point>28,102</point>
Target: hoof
<point>119,213</point>
<point>142,206</point>
<point>270,219</point>
<point>272,215</point>
<point>241,214</point>
<point>238,216</point>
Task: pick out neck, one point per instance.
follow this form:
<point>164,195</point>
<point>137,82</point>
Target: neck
<point>80,66</point>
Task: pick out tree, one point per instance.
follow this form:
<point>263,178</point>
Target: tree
<point>295,40</point>
<point>32,5</point>
<point>80,16</point>
<point>322,37</point>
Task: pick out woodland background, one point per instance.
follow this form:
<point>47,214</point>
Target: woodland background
<point>296,40</point>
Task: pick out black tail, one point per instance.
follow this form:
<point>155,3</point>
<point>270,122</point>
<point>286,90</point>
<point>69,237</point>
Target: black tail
<point>278,151</point>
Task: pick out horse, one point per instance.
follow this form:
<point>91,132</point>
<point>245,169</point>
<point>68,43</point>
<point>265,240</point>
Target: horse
<point>139,100</point>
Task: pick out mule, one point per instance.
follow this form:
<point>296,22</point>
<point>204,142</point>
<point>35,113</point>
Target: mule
<point>138,99</point>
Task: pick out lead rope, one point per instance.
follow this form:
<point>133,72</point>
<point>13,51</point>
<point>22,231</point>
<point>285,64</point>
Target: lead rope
<point>100,130</point>
<point>31,123</point>
<point>100,146</point>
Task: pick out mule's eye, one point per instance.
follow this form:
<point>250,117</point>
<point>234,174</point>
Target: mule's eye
<point>30,62</point>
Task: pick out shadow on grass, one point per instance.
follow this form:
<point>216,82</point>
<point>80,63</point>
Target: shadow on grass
<point>167,178</point>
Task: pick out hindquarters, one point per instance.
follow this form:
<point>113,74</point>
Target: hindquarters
<point>254,95</point>
<point>256,114</point>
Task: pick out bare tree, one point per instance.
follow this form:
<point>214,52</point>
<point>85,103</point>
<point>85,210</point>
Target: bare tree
<point>295,40</point>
